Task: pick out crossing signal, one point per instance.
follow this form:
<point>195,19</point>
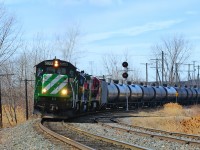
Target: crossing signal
<point>125,74</point>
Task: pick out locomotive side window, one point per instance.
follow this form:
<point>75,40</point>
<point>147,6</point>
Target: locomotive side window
<point>71,72</point>
<point>39,72</point>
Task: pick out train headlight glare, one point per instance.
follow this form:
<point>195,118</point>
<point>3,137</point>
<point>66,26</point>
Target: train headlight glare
<point>56,63</point>
<point>64,92</point>
<point>44,91</point>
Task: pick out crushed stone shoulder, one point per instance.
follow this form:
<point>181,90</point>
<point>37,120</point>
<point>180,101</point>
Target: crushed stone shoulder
<point>25,136</point>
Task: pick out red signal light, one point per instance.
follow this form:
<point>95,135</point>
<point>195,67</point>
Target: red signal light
<point>125,75</point>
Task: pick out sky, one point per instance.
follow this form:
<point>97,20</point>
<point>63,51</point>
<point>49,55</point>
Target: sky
<point>112,26</point>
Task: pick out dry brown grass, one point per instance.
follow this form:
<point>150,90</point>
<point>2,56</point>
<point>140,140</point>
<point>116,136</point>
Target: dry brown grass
<point>8,119</point>
<point>191,126</point>
<point>173,109</point>
<point>173,118</point>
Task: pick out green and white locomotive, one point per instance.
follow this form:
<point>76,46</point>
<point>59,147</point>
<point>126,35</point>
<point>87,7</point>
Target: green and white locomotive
<point>59,87</point>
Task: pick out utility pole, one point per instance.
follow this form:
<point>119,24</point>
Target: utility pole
<point>198,77</point>
<point>189,75</point>
<point>157,72</point>
<point>26,96</point>
<point>194,70</point>
<point>162,67</point>
<point>1,114</point>
<point>176,73</point>
<point>146,71</point>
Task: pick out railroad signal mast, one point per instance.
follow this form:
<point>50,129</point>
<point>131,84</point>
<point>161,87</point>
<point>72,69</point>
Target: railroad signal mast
<point>125,76</point>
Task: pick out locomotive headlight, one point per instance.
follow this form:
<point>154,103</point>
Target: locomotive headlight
<point>44,91</point>
<point>64,92</point>
<point>56,63</point>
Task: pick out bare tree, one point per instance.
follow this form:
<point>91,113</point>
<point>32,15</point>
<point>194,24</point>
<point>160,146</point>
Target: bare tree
<point>176,51</point>
<point>40,49</point>
<point>68,44</point>
<point>9,35</point>
<point>10,42</point>
<point>10,94</point>
<point>111,63</point>
<point>113,66</point>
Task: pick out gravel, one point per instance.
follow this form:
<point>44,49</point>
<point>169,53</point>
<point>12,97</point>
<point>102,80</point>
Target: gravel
<point>25,137</point>
<point>147,142</point>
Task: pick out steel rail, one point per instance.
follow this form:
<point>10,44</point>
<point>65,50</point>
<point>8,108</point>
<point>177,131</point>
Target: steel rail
<point>105,139</point>
<point>156,130</point>
<point>64,139</point>
<point>149,134</point>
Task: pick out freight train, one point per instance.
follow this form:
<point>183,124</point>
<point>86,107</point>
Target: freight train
<point>59,87</point>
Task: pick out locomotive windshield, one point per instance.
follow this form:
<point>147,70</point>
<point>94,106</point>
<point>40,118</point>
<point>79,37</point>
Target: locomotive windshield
<point>51,70</point>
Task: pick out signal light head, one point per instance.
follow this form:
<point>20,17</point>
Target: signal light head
<point>125,64</point>
<point>125,75</point>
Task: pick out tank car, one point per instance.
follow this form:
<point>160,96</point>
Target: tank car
<point>136,93</point>
<point>171,94</point>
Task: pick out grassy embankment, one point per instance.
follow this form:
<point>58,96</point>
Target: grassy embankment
<point>173,118</point>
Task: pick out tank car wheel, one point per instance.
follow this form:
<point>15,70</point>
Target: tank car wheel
<point>85,106</point>
<point>78,106</point>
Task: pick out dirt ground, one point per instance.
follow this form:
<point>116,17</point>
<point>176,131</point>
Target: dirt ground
<point>172,117</point>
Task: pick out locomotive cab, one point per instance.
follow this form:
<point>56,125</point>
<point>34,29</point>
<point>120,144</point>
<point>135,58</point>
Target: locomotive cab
<point>54,87</point>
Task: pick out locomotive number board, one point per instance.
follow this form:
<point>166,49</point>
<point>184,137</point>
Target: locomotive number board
<point>50,63</point>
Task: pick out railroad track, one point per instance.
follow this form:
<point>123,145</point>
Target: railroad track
<point>82,139</point>
<point>153,133</point>
<point>190,136</point>
<point>63,138</point>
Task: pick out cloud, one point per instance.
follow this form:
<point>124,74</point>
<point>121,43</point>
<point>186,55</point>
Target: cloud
<point>132,31</point>
<point>104,2</point>
<point>195,37</point>
<point>11,2</point>
<point>80,2</point>
<point>191,12</point>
